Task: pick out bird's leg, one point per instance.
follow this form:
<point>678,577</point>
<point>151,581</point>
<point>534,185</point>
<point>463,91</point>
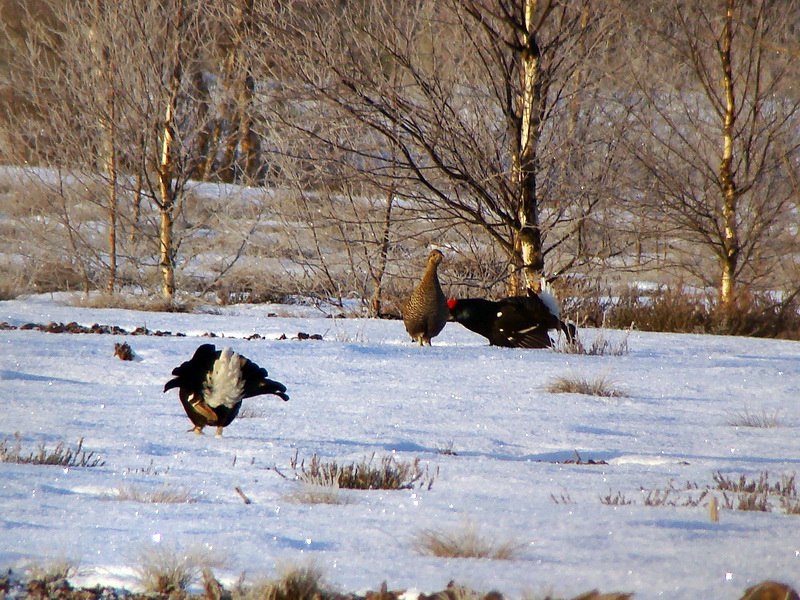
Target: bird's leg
<point>198,429</point>
<point>219,432</point>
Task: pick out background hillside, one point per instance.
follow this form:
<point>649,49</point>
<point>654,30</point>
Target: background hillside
<point>229,151</point>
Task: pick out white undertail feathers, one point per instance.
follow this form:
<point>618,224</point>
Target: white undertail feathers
<point>224,384</point>
<point>549,298</point>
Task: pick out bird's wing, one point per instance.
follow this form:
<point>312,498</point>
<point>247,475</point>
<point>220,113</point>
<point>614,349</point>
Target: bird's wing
<point>257,383</point>
<point>517,328</point>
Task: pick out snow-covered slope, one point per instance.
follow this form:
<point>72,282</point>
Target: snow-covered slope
<point>366,389</point>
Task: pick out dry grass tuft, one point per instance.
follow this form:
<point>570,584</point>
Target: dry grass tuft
<point>319,494</point>
<point>52,571</point>
<point>49,580</point>
<point>577,384</point>
<point>60,455</point>
<point>251,412</point>
<point>166,571</point>
<point>466,542</point>
<point>766,420</point>
<point>387,474</point>
<point>166,494</point>
<point>295,583</point>
<point>599,346</point>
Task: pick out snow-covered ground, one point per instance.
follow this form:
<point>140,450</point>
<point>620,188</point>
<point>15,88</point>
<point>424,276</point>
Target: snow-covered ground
<point>365,389</point>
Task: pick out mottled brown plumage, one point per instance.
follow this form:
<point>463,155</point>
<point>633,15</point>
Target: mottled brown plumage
<point>426,313</point>
<point>770,590</point>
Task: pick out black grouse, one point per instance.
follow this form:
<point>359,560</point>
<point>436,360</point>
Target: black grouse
<point>425,314</point>
<point>213,384</point>
<point>513,322</point>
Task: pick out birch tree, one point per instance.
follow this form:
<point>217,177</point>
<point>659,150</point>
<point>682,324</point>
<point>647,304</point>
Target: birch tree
<point>110,97</point>
<point>714,121</point>
<point>471,98</point>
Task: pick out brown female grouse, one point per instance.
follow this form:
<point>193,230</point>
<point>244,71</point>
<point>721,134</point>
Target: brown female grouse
<point>213,383</point>
<point>425,314</point>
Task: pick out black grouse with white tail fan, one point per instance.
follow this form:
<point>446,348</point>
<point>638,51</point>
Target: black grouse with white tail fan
<point>213,383</point>
<point>513,322</point>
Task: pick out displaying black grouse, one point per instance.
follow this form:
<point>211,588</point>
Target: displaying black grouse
<point>513,322</point>
<point>213,384</point>
<point>425,314</point>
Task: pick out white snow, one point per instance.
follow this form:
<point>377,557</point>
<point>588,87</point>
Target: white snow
<point>366,389</point>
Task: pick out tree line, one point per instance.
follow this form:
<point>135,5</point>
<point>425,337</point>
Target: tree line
<point>531,138</point>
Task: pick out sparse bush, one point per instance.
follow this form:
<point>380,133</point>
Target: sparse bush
<point>577,384</point>
<point>666,497</point>
<point>669,308</point>
<point>617,499</point>
<point>389,474</point>
<point>679,309</point>
<point>756,495</point>
<point>785,487</point>
<point>60,455</point>
<point>741,494</point>
<point>464,543</point>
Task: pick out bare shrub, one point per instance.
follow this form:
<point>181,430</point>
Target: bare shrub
<point>60,455</point>
<point>680,309</point>
<point>669,308</point>
<point>578,384</point>
<point>757,315</point>
<point>465,542</point>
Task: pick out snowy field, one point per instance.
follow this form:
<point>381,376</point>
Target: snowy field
<point>365,389</point>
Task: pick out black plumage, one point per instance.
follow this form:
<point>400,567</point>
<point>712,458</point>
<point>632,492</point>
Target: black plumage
<point>512,322</point>
<point>213,383</point>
